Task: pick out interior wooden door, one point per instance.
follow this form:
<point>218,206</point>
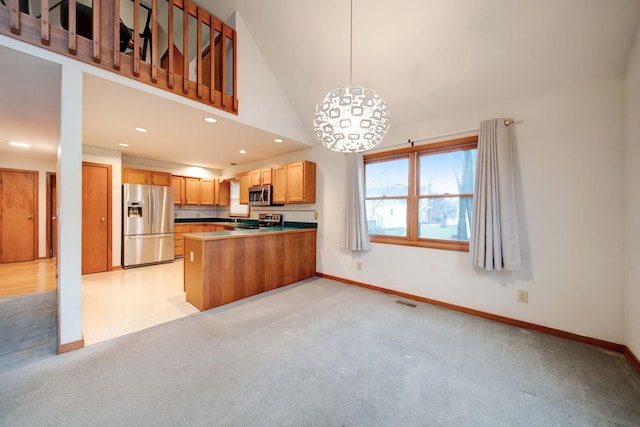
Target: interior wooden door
<point>96,217</point>
<point>18,215</point>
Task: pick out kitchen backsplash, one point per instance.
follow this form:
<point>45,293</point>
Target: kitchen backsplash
<point>289,214</point>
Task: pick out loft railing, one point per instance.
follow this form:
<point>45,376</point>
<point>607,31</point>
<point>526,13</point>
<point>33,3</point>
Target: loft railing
<point>199,51</point>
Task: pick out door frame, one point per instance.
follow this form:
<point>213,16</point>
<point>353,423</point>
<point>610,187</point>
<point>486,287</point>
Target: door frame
<point>49,216</point>
<point>36,217</point>
<point>109,210</point>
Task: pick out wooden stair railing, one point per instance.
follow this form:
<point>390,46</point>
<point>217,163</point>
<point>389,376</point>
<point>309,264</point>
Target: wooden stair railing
<point>102,46</point>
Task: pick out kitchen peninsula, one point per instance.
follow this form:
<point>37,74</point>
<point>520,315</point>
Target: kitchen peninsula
<point>225,266</point>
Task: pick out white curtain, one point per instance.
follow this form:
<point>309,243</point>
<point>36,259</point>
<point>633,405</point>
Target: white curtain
<point>494,243</point>
<point>355,234</point>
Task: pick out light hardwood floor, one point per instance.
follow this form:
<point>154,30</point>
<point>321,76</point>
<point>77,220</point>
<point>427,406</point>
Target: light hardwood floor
<point>19,278</point>
<point>114,303</point>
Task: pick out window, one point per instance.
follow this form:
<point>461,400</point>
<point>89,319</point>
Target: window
<point>422,196</point>
<point>235,208</point>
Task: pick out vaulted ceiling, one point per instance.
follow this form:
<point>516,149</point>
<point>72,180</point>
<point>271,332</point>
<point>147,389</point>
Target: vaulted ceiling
<point>427,58</point>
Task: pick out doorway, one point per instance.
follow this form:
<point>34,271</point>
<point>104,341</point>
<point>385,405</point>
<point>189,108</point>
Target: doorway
<point>18,215</point>
<point>52,216</point>
<point>96,218</point>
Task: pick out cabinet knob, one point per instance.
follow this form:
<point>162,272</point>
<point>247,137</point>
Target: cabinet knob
<point>54,218</point>
<point>29,216</point>
<point>102,219</point>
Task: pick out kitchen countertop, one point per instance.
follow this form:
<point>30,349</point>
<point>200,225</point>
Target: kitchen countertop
<point>244,232</point>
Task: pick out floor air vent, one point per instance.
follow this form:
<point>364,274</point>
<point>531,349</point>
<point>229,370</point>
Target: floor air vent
<point>408,304</point>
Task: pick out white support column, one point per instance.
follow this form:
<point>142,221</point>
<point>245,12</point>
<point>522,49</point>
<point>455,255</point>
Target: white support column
<point>70,209</point>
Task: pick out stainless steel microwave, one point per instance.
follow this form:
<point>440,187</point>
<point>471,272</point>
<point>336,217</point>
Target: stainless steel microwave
<point>260,195</point>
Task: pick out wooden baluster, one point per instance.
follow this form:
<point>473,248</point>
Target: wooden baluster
<point>14,6</point>
<point>235,72</point>
<point>45,34</point>
<point>170,74</point>
<point>199,57</point>
<point>185,47</point>
<point>73,42</point>
<point>96,31</point>
<point>136,38</point>
<point>223,62</point>
<point>116,34</point>
<point>212,60</point>
<point>154,41</point>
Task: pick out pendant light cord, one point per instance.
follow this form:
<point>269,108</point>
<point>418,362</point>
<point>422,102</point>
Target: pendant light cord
<point>351,45</point>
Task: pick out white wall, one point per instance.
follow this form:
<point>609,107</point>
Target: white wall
<point>42,164</point>
<point>568,170</point>
<point>632,199</point>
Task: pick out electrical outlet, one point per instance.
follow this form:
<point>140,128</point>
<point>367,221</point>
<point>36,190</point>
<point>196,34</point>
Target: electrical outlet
<point>315,215</point>
<point>359,265</point>
<point>191,256</point>
<point>198,214</point>
<point>523,296</point>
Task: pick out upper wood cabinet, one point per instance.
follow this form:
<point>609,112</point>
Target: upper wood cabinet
<point>245,183</point>
<point>265,175</point>
<point>224,193</point>
<point>179,190</point>
<point>192,188</point>
<point>207,189</point>
<point>139,176</point>
<point>260,177</point>
<point>295,183</point>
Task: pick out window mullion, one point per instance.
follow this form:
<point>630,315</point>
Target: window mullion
<point>412,208</point>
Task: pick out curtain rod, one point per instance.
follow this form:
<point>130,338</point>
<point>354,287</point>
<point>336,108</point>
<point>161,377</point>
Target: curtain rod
<point>507,122</point>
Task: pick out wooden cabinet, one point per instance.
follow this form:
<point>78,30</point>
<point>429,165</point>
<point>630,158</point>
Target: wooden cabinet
<point>279,194</point>
<point>224,193</point>
<point>192,186</point>
<point>179,190</point>
<point>139,176</point>
<point>207,191</point>
<point>256,177</point>
<point>245,183</point>
<point>178,238</point>
<point>265,175</point>
<point>295,183</point>
<point>260,177</point>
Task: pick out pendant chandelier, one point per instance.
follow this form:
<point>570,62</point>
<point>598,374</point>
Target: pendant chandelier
<point>352,118</point>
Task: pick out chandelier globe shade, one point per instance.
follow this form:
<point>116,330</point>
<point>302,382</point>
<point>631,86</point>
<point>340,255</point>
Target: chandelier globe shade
<point>351,119</point>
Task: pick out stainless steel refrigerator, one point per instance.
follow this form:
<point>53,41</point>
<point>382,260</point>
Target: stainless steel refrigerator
<point>147,224</point>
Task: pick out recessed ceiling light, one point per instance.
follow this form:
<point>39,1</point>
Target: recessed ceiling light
<point>19,144</point>
<point>122,144</point>
<point>278,140</point>
<point>242,151</point>
<point>143,130</point>
<point>210,120</point>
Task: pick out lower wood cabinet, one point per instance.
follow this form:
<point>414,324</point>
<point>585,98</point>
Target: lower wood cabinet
<point>195,227</point>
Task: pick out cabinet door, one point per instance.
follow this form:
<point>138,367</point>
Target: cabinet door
<point>178,190</point>
<point>295,182</point>
<point>191,191</point>
<point>280,184</point>
<point>178,238</point>
<point>160,178</point>
<point>207,192</point>
<point>256,177</point>
<point>134,176</point>
<point>224,193</point>
<point>245,183</point>
<point>266,176</point>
